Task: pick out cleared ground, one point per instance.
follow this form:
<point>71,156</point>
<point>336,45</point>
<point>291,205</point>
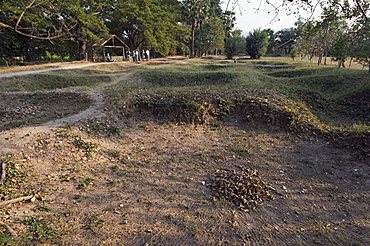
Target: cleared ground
<point>141,172</point>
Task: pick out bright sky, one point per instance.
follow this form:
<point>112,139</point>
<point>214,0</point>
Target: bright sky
<point>252,14</point>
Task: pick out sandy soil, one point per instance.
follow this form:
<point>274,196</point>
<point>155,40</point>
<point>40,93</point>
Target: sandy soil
<point>150,186</point>
<point>36,70</point>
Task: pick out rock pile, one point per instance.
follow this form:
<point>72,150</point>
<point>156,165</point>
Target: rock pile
<point>245,188</point>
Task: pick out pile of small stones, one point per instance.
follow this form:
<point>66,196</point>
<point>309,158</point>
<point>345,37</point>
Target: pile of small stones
<point>245,188</point>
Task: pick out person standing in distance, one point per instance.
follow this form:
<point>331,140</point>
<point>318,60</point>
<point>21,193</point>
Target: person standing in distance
<point>147,55</point>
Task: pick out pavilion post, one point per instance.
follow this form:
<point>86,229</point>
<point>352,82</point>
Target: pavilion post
<point>104,54</point>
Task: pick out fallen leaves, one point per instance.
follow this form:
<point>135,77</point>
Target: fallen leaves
<point>245,188</point>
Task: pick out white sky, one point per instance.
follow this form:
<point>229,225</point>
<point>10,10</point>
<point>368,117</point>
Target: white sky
<point>248,17</point>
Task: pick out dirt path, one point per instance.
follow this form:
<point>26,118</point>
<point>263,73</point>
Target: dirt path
<point>30,72</point>
<point>14,140</point>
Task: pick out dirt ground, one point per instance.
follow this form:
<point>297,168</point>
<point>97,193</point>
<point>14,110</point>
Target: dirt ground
<point>150,186</point>
<point>148,183</point>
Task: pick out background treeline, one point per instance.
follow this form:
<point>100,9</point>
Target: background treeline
<point>47,29</point>
<point>342,32</point>
<point>32,30</point>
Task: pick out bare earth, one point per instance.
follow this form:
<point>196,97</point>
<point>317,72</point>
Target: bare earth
<point>150,184</point>
<point>7,74</point>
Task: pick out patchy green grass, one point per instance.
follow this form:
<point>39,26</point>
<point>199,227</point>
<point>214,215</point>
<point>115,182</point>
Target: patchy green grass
<point>180,78</point>
<point>42,208</point>
<point>86,146</point>
<point>241,151</point>
<point>85,183</point>
<point>6,239</point>
<point>38,230</point>
<point>14,179</point>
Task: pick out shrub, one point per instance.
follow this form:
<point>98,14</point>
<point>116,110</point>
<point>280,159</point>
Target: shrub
<point>256,43</point>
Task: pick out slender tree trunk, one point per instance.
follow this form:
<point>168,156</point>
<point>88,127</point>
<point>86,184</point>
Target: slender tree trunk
<point>320,58</point>
<point>312,54</point>
<point>326,55</point>
<point>350,63</point>
<point>82,49</point>
<point>341,62</point>
<point>193,41</point>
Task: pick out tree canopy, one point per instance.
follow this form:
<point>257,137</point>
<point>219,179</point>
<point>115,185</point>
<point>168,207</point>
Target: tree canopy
<point>35,29</point>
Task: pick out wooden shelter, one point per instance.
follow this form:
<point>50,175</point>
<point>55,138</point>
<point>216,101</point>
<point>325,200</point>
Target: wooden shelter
<point>287,47</point>
<point>112,42</point>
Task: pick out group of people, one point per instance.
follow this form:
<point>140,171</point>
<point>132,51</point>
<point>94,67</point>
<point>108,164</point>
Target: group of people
<point>137,56</point>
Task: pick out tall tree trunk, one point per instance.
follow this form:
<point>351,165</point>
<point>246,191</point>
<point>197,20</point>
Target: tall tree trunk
<point>28,51</point>
<point>341,62</point>
<point>82,49</point>
<point>350,63</point>
<point>326,55</point>
<point>320,58</point>
<point>193,41</point>
<point>312,54</point>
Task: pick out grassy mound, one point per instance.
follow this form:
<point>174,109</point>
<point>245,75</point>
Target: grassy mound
<point>212,93</point>
<point>279,112</point>
<point>178,79</point>
<point>185,76</point>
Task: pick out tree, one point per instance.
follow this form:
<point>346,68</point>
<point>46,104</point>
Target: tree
<point>37,19</point>
<point>256,43</point>
<point>229,19</point>
<point>195,13</point>
<point>340,50</point>
<point>210,36</point>
<point>150,23</point>
<point>294,54</point>
<point>234,44</point>
<point>89,28</point>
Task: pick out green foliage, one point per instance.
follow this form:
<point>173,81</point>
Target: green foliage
<point>6,239</point>
<point>340,48</point>
<point>38,230</point>
<point>148,23</point>
<point>210,36</point>
<point>195,11</point>
<point>229,19</point>
<point>43,208</point>
<point>256,43</point>
<point>235,44</point>
<point>13,178</point>
<point>241,151</point>
<point>84,183</point>
<point>88,147</point>
<point>294,54</point>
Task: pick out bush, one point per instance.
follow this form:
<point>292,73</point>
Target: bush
<point>256,43</point>
<point>234,44</point>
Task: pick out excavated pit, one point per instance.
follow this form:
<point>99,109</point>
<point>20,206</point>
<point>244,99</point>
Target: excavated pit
<point>249,112</point>
<point>18,109</point>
